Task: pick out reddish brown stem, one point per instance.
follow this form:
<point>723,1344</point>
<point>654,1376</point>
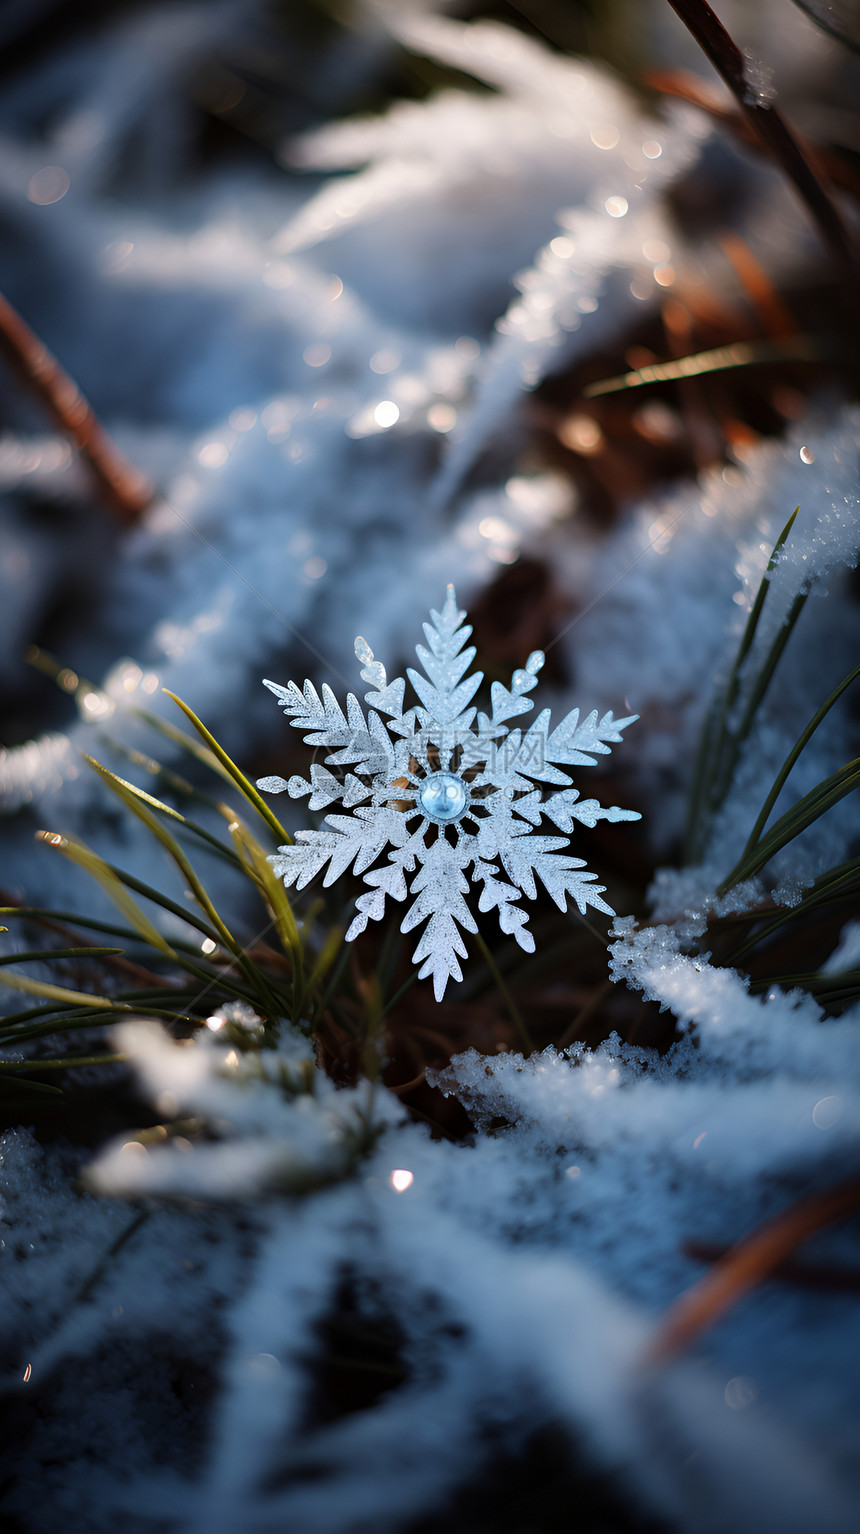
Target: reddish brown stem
<point>746,1264</point>
<point>689,87</point>
<point>768,124</point>
<point>809,1275</point>
<point>125,490</point>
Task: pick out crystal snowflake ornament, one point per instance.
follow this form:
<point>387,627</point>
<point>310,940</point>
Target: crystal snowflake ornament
<point>443,792</point>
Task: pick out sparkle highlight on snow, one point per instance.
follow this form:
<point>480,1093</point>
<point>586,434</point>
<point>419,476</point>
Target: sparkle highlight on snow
<point>386,414</point>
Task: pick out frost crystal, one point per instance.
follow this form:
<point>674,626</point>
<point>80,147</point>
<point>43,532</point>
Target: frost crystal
<point>445,795</point>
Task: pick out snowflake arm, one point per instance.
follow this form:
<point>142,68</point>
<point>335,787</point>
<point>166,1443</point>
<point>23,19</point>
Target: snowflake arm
<point>444,696</point>
<point>524,856</point>
<point>430,790</point>
<point>573,743</point>
<point>564,808</point>
<point>356,741</point>
<point>440,886</point>
<point>355,841</point>
<point>498,895</point>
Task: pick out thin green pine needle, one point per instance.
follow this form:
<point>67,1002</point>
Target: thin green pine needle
<point>242,783</point>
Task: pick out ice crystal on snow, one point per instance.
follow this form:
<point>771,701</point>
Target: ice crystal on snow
<point>445,795</point>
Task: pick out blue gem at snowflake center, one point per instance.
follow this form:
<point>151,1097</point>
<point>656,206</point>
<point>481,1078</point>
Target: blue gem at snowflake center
<point>443,798</point>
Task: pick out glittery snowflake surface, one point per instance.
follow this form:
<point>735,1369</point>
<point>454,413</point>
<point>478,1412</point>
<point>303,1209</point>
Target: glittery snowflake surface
<point>443,789</point>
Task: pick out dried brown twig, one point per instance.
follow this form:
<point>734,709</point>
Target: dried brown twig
<point>124,489</point>
<point>807,1275</point>
<point>768,125</point>
<point>689,87</point>
<point>747,1264</point>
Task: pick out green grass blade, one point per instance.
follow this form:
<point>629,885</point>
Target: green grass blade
<point>9,1019</point>
<point>760,687</point>
<point>135,803</point>
<point>760,598</point>
<point>803,814</point>
<point>839,998</point>
<point>191,825</point>
<point>259,870</point>
<point>700,788</point>
<point>12,1084</point>
<point>718,359</point>
<point>713,775</point>
<point>219,981</point>
<point>59,1065</point>
<point>173,906</point>
<point>257,866</point>
<point>242,783</point>
<point>34,913</point>
<point>334,979</point>
<point>326,957</point>
<point>77,852</point>
<point>816,983</point>
<point>254,976</point>
<point>173,782</point>
<point>51,992</point>
<point>186,742</point>
<point>837,885</point>
<point>57,953</point>
<point>504,991</point>
<point>68,1023</point>
<point>401,991</point>
<point>83,1017</point>
<point>788,764</point>
<point>841,980</point>
<point>735,739</point>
